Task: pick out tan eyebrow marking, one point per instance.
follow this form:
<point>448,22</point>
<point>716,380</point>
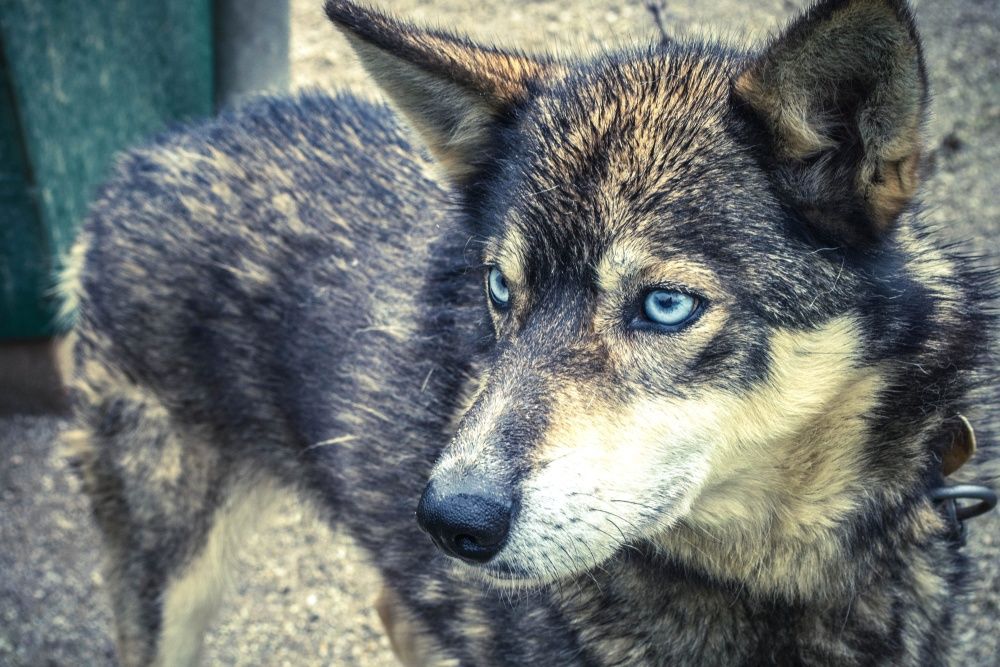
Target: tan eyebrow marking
<point>623,259</point>
<point>509,255</point>
<point>630,258</point>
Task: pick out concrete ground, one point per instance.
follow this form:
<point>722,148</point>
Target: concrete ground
<point>303,594</point>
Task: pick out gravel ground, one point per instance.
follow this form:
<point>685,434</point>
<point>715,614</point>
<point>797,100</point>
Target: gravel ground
<point>303,595</point>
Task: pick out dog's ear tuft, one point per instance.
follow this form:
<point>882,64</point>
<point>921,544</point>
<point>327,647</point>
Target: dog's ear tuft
<point>451,90</point>
<point>843,94</point>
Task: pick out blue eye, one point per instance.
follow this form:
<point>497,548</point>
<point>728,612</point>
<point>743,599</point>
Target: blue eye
<point>669,309</point>
<point>499,291</point>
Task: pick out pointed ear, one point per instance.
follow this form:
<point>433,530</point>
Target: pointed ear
<point>452,91</point>
<point>843,93</point>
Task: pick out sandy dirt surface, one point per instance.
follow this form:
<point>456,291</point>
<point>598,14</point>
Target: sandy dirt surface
<point>303,595</point>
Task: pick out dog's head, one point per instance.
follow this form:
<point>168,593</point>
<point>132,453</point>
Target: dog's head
<point>695,273</point>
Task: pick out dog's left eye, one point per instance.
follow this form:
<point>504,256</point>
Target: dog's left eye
<point>669,309</point>
<point>497,285</point>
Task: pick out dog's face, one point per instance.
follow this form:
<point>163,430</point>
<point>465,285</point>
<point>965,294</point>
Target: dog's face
<point>669,262</point>
<point>619,277</point>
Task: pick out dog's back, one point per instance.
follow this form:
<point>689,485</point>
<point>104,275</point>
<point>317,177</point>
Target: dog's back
<point>231,215</point>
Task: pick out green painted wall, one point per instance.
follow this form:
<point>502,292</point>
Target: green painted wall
<point>81,81</point>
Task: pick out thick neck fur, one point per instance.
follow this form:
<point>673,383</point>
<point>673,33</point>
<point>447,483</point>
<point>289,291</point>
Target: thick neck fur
<point>900,615</point>
<point>867,562</point>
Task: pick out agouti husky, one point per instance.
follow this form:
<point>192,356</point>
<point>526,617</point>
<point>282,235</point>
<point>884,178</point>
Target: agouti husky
<point>655,338</point>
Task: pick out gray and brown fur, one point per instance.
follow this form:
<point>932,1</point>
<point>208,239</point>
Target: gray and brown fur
<point>291,298</point>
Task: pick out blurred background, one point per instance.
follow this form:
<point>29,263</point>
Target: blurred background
<point>81,81</point>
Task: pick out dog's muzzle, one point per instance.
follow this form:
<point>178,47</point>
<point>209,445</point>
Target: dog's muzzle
<point>467,521</point>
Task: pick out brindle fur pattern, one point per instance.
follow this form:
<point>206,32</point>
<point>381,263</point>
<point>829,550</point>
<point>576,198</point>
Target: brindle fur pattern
<point>291,299</point>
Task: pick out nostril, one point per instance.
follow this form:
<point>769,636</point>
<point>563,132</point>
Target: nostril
<point>466,544</point>
<point>466,541</point>
<point>469,548</point>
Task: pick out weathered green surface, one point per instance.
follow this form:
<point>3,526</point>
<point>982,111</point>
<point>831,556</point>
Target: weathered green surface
<point>82,80</point>
<point>22,238</point>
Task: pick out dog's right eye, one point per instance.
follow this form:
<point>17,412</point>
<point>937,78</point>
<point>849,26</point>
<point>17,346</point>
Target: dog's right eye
<point>498,289</point>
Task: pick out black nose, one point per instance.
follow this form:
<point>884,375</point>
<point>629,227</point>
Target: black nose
<point>465,522</point>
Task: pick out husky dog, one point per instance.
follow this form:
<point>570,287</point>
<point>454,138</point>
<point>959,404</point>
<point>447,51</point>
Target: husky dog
<point>654,339</point>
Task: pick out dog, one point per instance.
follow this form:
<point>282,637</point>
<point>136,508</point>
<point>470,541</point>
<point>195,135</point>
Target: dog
<point>639,359</point>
